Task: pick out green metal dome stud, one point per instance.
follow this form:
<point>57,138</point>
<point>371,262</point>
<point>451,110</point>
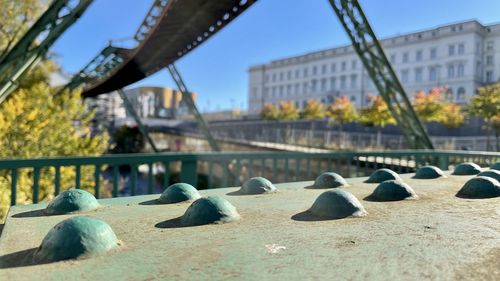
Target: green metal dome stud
<point>76,237</point>
<point>71,201</point>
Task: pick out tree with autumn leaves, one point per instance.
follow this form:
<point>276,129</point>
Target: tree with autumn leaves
<point>433,107</point>
<point>486,104</point>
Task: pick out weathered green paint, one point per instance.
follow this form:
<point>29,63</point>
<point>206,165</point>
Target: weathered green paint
<point>337,204</point>
<point>179,192</point>
<point>72,200</point>
<point>392,190</point>
<point>76,237</point>
<point>496,166</point>
<point>329,180</point>
<point>207,210</point>
<point>381,175</point>
<point>257,185</point>
<point>490,173</point>
<point>428,172</point>
<point>440,237</point>
<point>467,169</point>
<point>365,163</point>
<point>480,187</point>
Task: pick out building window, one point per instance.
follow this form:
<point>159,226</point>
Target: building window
<point>332,83</point>
<point>489,76</point>
<point>297,73</point>
<point>451,50</point>
<point>343,82</point>
<point>489,46</point>
<point>342,66</point>
<point>297,89</point>
<point>405,75</point>
<point>267,78</point>
<point>304,88</point>
<point>461,48</point>
<point>460,70</point>
<point>405,57</point>
<point>289,90</point>
<point>418,74</point>
<point>489,60</point>
<point>314,70</point>
<point>461,94</point>
<point>273,92</point>
<point>333,67</point>
<point>451,71</point>
<point>281,91</point>
<point>433,54</point>
<point>314,85</point>
<point>353,64</point>
<point>323,85</point>
<point>433,73</point>
<point>393,58</point>
<point>289,75</point>
<point>323,69</point>
<point>354,81</point>
<point>449,94</point>
<point>418,55</point>
<point>306,72</point>
<point>281,76</point>
<point>274,77</point>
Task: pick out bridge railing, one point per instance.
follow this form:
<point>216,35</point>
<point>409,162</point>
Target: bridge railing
<point>132,174</point>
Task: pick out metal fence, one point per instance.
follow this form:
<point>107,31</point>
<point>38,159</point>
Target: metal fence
<point>151,173</point>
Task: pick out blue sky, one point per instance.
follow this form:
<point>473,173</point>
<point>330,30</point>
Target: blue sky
<point>271,29</point>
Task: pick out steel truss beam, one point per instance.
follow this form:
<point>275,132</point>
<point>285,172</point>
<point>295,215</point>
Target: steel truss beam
<point>131,111</point>
<point>33,46</point>
<point>380,70</point>
<point>188,99</point>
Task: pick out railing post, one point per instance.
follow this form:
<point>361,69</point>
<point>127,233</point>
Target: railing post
<point>444,162</point>
<point>189,172</point>
<point>13,187</point>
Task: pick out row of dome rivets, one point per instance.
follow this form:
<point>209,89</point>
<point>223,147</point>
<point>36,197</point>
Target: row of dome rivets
<point>80,235</point>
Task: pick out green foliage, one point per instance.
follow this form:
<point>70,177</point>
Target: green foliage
<point>288,111</point>
<point>313,110</point>
<point>342,111</point>
<point>128,140</point>
<point>377,114</point>
<point>16,16</point>
<point>34,123</point>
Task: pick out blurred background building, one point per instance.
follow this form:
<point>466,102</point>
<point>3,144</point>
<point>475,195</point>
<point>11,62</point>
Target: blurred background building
<point>460,56</point>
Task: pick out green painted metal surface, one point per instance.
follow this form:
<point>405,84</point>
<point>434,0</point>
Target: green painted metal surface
<point>379,69</point>
<point>438,237</point>
<point>33,46</point>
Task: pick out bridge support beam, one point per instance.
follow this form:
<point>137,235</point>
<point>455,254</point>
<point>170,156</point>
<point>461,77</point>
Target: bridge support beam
<point>188,99</point>
<point>130,109</point>
<point>371,54</point>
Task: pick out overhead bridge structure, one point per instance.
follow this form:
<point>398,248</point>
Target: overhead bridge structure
<point>173,28</point>
<point>170,30</point>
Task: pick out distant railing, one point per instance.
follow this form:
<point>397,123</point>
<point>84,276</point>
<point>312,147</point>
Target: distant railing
<point>132,174</point>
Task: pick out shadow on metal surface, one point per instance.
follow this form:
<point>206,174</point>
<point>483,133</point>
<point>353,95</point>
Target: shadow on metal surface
<point>18,259</point>
<point>31,214</point>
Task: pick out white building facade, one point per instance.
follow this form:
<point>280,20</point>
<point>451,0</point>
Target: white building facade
<point>460,56</point>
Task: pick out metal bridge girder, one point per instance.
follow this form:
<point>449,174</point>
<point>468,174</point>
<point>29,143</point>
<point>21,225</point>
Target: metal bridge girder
<point>379,69</point>
<point>35,43</point>
<point>188,99</point>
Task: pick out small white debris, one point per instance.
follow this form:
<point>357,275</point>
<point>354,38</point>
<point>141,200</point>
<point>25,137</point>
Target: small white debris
<point>274,248</point>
